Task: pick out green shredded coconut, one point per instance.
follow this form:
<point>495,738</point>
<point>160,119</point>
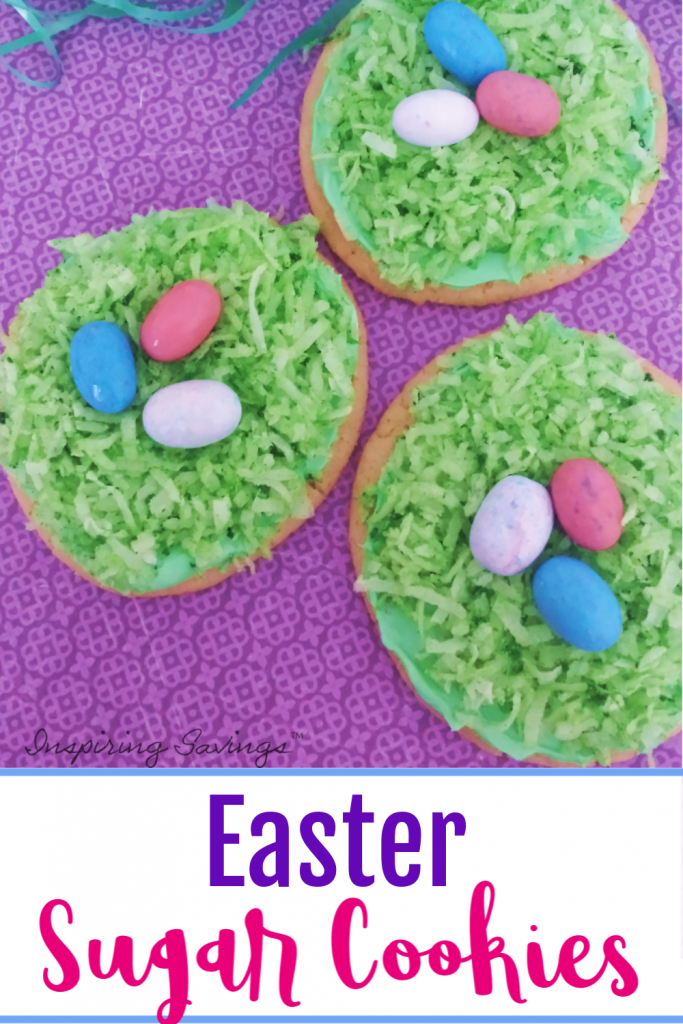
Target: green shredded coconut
<point>495,206</point>
<point>134,514</point>
<point>522,402</point>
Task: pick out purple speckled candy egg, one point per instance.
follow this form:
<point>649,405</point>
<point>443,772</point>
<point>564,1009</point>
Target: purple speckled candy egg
<point>512,526</point>
<point>191,414</point>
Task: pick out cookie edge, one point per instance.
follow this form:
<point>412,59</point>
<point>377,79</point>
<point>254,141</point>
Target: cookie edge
<point>491,292</point>
<point>316,491</point>
<point>396,419</point>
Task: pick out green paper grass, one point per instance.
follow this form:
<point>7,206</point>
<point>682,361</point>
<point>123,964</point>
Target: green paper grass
<point>137,515</point>
<point>426,214</point>
<point>522,403</point>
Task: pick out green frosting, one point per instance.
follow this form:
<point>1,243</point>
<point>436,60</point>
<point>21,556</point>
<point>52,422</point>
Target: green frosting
<point>493,207</point>
<point>134,514</point>
<point>473,644</point>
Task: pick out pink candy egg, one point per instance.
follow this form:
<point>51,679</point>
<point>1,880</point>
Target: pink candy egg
<point>512,526</point>
<point>518,104</point>
<point>587,503</point>
<point>181,320</point>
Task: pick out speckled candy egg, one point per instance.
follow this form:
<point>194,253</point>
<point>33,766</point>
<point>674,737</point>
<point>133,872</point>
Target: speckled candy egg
<point>435,117</point>
<point>587,503</point>
<point>512,526</point>
<point>461,41</point>
<point>577,604</point>
<point>518,104</point>
<point>102,366</point>
<point>181,320</point>
<point>191,414</point>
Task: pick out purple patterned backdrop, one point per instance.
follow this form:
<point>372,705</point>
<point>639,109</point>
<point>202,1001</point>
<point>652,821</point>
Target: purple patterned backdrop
<point>141,120</point>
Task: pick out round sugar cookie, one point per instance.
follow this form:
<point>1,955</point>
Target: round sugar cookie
<point>522,400</point>
<point>132,515</point>
<point>495,217</point>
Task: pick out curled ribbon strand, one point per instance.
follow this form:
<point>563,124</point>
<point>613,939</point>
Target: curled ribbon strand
<point>45,26</point>
<point>315,33</point>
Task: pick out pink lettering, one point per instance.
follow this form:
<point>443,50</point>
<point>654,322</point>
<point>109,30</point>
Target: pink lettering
<point>568,957</point>
<point>483,952</point>
<point>341,942</point>
<point>623,968</point>
<point>61,952</point>
<point>225,958</point>
<point>401,948</point>
<point>175,962</point>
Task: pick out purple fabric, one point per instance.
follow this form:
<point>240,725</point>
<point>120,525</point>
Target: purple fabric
<point>139,121</point>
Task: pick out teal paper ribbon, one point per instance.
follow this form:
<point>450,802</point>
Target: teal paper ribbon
<point>315,33</point>
<point>45,25</point>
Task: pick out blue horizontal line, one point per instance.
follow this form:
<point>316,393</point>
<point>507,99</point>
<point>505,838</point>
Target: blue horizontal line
<point>203,1019</point>
<point>368,772</point>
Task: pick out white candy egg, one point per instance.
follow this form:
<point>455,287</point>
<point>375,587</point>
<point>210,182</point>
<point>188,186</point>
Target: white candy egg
<point>191,414</point>
<point>436,117</point>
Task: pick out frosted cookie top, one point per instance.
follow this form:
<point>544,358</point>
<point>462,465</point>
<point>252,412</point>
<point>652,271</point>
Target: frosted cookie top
<point>139,517</point>
<point>522,401</point>
<point>496,206</point>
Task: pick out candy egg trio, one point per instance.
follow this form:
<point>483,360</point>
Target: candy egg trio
<point>189,414</point>
<point>513,525</point>
<point>512,102</point>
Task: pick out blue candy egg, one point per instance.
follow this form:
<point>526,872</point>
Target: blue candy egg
<point>462,42</point>
<point>102,366</point>
<point>577,604</point>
